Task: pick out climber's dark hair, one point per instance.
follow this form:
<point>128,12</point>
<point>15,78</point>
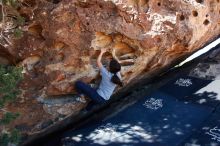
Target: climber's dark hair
<point>115,67</point>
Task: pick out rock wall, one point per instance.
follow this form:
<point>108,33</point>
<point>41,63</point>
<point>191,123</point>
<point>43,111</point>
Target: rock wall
<point>62,39</point>
<point>62,36</point>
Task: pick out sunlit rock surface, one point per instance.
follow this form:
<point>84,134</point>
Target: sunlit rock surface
<point>62,40</point>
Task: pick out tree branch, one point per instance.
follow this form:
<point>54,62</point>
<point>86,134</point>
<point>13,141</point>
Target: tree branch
<point>3,24</point>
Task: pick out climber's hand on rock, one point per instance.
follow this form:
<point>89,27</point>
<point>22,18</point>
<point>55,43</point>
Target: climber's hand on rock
<point>103,50</point>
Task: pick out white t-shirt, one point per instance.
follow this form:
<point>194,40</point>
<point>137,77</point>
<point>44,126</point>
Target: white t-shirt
<point>106,87</point>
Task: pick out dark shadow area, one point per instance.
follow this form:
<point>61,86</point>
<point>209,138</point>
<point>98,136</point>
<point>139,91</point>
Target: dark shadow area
<point>54,1</point>
<point>156,120</point>
<point>207,135</point>
<point>211,99</point>
<point>183,86</point>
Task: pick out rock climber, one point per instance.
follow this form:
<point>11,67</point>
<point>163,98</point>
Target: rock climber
<point>111,77</point>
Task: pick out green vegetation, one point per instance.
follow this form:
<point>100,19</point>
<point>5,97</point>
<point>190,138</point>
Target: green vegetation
<point>18,33</point>
<point>9,78</point>
<point>20,20</point>
<point>8,118</point>
<point>13,3</point>
<point>13,137</point>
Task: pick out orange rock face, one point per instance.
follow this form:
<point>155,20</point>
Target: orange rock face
<point>144,35</point>
<point>62,38</point>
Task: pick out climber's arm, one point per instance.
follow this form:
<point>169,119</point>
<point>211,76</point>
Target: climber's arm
<point>99,60</point>
<point>114,56</point>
